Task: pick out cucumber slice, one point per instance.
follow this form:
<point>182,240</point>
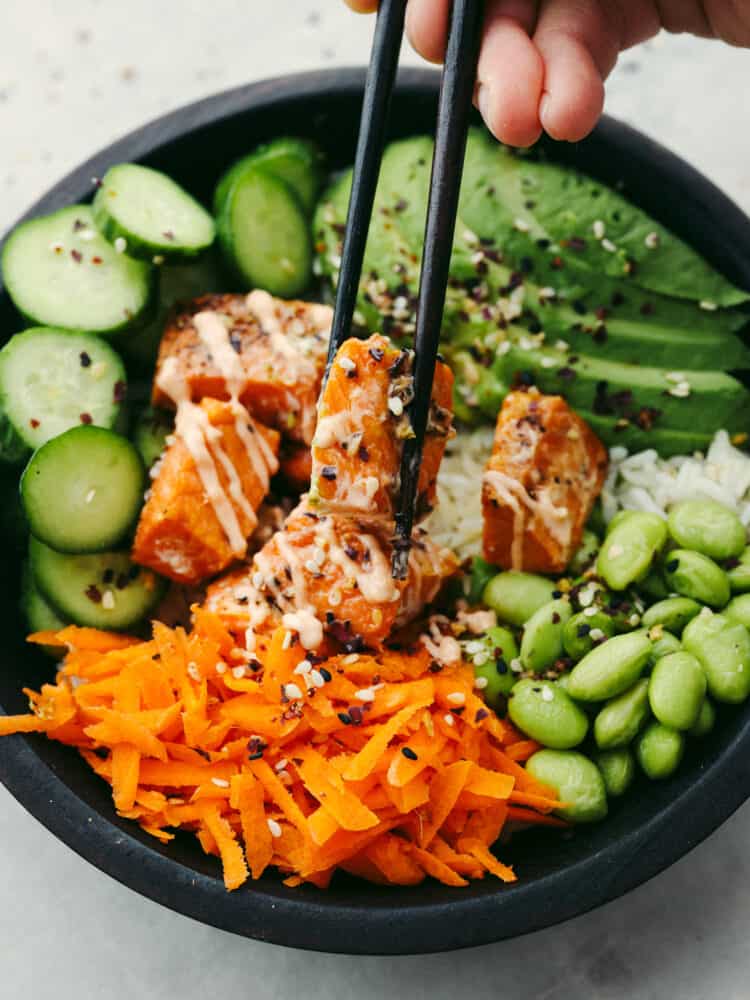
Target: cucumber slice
<point>60,271</point>
<point>38,614</point>
<point>152,429</point>
<point>82,491</point>
<point>153,214</point>
<point>264,234</point>
<point>297,162</point>
<point>105,591</point>
<point>52,380</point>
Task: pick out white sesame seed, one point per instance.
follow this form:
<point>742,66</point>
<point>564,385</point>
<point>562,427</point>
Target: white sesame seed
<point>615,551</point>
<point>599,229</point>
<point>596,634</point>
<point>516,666</point>
<point>547,292</point>
<point>302,668</point>
<point>475,646</point>
<point>674,377</point>
<point>561,345</point>
<point>193,671</point>
<point>347,364</point>
<point>221,668</point>
<point>280,764</point>
<point>292,691</point>
<point>590,611</point>
<point>708,305</point>
<point>521,225</point>
<point>547,694</point>
<point>157,260</point>
<point>504,347</point>
<point>121,244</point>
<point>586,597</point>
<point>481,658</point>
<point>456,698</point>
<point>318,556</point>
<point>680,391</point>
<point>366,694</point>
<point>448,719</point>
<point>334,598</point>
<point>480,683</point>
<point>90,496</point>
<point>310,566</point>
<point>220,782</point>
<point>317,679</point>
<point>609,246</point>
<point>287,642</point>
<point>549,362</point>
<point>395,406</point>
<point>239,672</point>
<point>108,600</point>
<point>351,658</point>
<point>258,580</point>
<point>634,620</point>
<point>652,240</point>
<point>274,827</point>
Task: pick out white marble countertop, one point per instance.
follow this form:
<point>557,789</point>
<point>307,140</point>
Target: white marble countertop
<point>73,77</point>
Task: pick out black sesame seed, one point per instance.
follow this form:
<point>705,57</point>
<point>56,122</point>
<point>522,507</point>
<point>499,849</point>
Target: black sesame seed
<point>345,718</point>
<point>328,472</point>
<point>409,753</point>
<point>583,630</point>
<point>94,594</point>
<point>325,674</point>
<point>85,359</point>
<point>482,713</point>
<point>673,564</point>
<point>556,594</point>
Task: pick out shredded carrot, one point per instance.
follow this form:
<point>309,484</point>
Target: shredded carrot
<point>388,771</point>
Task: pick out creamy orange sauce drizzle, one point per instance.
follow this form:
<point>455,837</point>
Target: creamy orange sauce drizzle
<point>515,495</point>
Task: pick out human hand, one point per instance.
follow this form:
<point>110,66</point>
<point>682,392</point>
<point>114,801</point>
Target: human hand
<point>543,63</point>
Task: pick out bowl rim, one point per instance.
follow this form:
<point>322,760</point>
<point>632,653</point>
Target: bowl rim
<point>306,920</point>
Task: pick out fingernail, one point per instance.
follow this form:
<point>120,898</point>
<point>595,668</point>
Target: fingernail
<point>544,110</point>
<point>484,101</point>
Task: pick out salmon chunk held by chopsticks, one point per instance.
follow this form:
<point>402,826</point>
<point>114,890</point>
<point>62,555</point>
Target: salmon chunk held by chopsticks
<point>207,487</point>
<point>547,469</point>
<point>327,573</point>
<point>281,347</point>
<point>363,420</point>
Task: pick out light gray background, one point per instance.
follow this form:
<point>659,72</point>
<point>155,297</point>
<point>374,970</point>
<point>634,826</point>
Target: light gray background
<point>73,76</point>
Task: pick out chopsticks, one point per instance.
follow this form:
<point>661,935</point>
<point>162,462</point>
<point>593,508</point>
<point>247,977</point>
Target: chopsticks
<point>454,109</point>
<point>381,76</point>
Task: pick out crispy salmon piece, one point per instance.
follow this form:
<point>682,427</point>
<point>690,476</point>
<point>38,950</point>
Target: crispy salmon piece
<point>295,466</point>
<point>282,346</point>
<point>547,469</point>
<point>362,423</point>
<point>181,533</point>
<point>331,568</point>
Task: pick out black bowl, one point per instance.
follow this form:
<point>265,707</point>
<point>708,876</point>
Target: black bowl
<point>559,875</point>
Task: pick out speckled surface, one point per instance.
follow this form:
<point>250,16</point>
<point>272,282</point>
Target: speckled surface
<point>74,76</point>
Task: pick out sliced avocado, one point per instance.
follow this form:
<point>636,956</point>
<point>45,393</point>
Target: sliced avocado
<point>666,442</point>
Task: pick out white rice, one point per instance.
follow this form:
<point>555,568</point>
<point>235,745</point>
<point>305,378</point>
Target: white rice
<point>641,481</point>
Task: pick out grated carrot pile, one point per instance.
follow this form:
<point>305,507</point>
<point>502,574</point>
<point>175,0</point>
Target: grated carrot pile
<point>378,764</point>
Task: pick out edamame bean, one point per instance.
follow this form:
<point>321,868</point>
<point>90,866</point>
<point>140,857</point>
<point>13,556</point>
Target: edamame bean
<point>706,720</point>
<point>676,690</point>
<point>723,649</point>
<point>577,781</point>
<point>621,718</point>
<point>585,553</point>
<point>738,610</point>
<point>662,645</point>
<point>542,641</point>
<point>618,770</point>
<point>630,548</point>
<point>545,713</point>
<point>584,630</point>
<point>515,596</point>
<point>695,575</point>
<point>611,668</point>
<point>739,575</point>
<point>673,613</point>
<point>708,527</point>
<point>501,649</point>
<point>659,750</point>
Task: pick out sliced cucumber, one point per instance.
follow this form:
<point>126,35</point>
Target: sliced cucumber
<point>52,380</point>
<point>297,162</point>
<point>105,591</point>
<point>38,614</point>
<point>152,429</point>
<point>153,214</point>
<point>82,491</point>
<point>264,234</point>
<point>60,271</point>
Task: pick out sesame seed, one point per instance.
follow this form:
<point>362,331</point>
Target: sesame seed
<point>221,668</point>
<point>504,347</point>
<point>317,678</point>
<point>590,611</point>
<point>516,666</point>
<point>238,672</point>
<point>615,551</point>
<point>521,225</point>
<point>351,658</point>
<point>596,634</point>
<point>108,600</point>
<point>652,240</point>
<point>121,244</point>
<point>90,496</point>
<point>366,694</point>
<point>549,362</point>
<point>302,668</point>
<point>708,305</point>
<point>288,637</point>
<point>409,753</point>
<point>561,345</point>
<point>395,406</point>
<point>674,377</point>
<point>274,827</point>
<point>193,671</point>
<point>347,364</point>
<point>609,246</point>
<point>634,620</point>
<point>310,566</point>
<point>456,698</point>
<point>481,658</point>
<point>599,229</point>
<point>547,694</point>
<point>220,782</point>
<point>680,391</point>
<point>448,719</point>
<point>480,683</point>
<point>258,580</point>
<point>292,691</point>
<point>280,765</point>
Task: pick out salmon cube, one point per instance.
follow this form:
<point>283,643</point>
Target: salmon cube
<point>282,348</point>
<point>547,469</point>
<point>329,574</point>
<point>363,420</point>
<point>295,466</point>
<point>200,512</point>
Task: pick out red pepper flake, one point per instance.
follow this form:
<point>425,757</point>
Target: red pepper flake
<point>34,422</point>
<point>120,391</point>
<point>97,260</point>
<point>77,256</point>
<point>168,234</point>
<point>78,225</point>
<point>94,594</point>
<point>86,418</point>
<point>557,263</point>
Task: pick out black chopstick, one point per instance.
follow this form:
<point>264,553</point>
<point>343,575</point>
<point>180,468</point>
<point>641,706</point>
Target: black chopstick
<point>381,75</point>
<point>454,111</point>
